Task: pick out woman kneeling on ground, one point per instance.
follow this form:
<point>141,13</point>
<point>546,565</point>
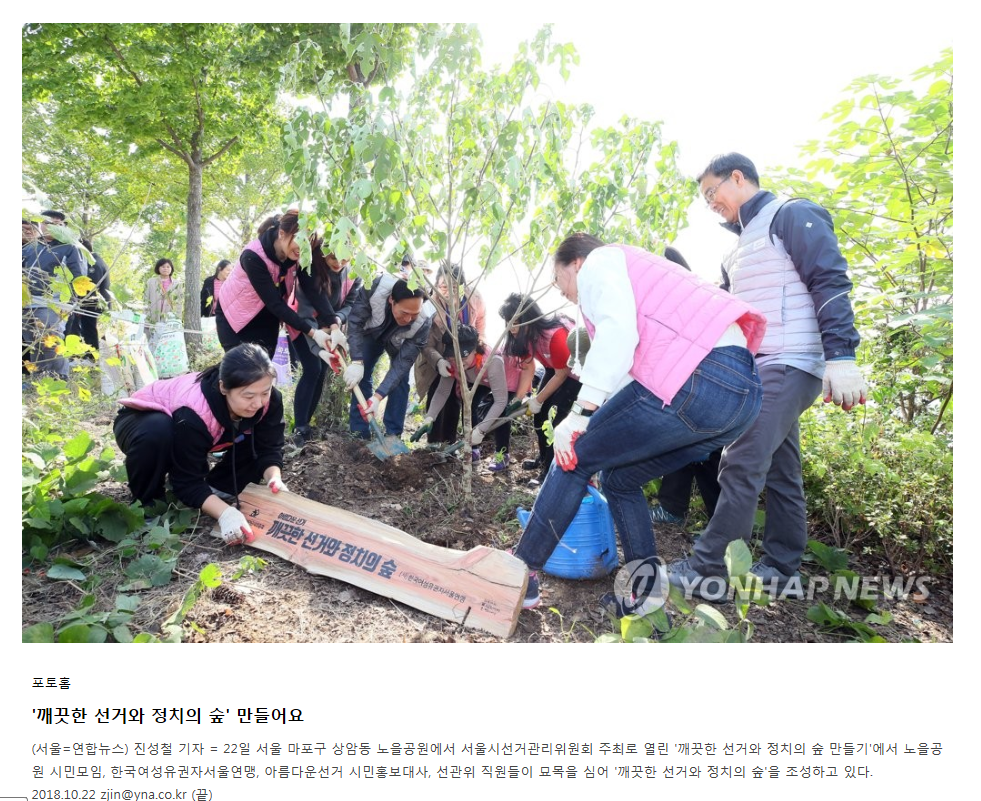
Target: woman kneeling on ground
<point>170,426</point>
<point>662,387</point>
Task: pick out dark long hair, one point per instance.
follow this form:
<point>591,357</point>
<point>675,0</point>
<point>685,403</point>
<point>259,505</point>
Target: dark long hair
<point>221,266</point>
<point>532,322</point>
<point>325,279</point>
<point>242,365</point>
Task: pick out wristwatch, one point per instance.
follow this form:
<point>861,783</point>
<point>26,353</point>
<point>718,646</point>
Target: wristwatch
<point>578,409</point>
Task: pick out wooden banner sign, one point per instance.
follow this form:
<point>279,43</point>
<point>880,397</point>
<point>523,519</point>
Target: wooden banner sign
<point>481,588</point>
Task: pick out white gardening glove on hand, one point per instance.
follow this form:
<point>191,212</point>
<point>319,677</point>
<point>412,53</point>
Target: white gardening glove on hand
<point>235,529</point>
<point>371,410</point>
<point>276,485</point>
<point>476,437</point>
<point>534,405</point>
<point>843,384</point>
<point>337,339</point>
<point>566,434</point>
<point>320,337</point>
<point>443,367</point>
<point>353,374</point>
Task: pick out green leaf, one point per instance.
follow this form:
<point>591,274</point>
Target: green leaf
<point>711,616</point>
<point>64,572</point>
<point>823,615</point>
<point>127,603</point>
<point>738,559</point>
<point>830,558</point>
<point>677,597</point>
<point>77,633</point>
<point>39,632</point>
<point>122,633</point>
<point>608,637</point>
<point>210,575</point>
<point>149,569</point>
<point>77,447</point>
<point>633,627</point>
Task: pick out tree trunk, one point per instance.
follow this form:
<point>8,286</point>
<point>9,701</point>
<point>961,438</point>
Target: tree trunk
<point>192,262</point>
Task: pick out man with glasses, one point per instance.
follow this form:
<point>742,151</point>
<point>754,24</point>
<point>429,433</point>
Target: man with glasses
<point>788,265</point>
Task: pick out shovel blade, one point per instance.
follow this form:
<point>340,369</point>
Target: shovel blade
<point>383,447</point>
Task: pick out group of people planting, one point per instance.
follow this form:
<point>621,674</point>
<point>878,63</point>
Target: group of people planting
<point>679,372</point>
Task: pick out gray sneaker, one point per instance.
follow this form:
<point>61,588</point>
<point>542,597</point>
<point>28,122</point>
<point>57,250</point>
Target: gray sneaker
<point>693,584</point>
<point>661,515</point>
<point>776,584</point>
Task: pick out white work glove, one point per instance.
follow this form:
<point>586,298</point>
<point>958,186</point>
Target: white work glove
<point>534,405</point>
<point>235,529</point>
<point>371,410</point>
<point>476,437</point>
<point>443,367</point>
<point>843,383</point>
<point>353,374</point>
<point>337,339</point>
<point>276,484</point>
<point>566,434</point>
<point>320,337</point>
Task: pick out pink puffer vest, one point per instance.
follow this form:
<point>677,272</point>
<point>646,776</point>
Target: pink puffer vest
<point>680,318</point>
<point>240,303</point>
<point>170,394</point>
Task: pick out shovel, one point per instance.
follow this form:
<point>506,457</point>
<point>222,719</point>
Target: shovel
<point>513,411</point>
<point>383,447</point>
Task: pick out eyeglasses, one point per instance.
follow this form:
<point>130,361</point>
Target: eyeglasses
<point>710,193</point>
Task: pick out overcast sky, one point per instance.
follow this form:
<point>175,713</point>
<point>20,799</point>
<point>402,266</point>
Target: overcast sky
<point>718,83</point>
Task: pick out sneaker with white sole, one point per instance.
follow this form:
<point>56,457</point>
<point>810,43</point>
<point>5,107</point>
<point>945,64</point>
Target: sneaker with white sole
<point>533,595</point>
<point>694,585</point>
<point>776,584</point>
<point>499,466</point>
<point>661,515</point>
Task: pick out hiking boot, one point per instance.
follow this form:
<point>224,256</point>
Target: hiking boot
<point>301,436</point>
<point>693,584</point>
<point>618,606</point>
<point>500,466</point>
<point>776,584</point>
<point>661,515</point>
<point>532,464</point>
<point>533,596</point>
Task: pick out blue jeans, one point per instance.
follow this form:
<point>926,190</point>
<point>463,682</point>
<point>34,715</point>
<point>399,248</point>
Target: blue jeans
<point>398,398</point>
<point>635,437</point>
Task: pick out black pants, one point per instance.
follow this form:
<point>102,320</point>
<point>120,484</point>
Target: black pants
<point>263,330</point>
<point>147,438</point>
<point>562,399</point>
<point>445,423</point>
<point>85,325</point>
<point>310,387</point>
<point>675,493</point>
<point>483,399</point>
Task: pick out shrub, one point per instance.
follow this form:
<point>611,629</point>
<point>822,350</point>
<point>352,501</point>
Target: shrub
<point>872,479</point>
